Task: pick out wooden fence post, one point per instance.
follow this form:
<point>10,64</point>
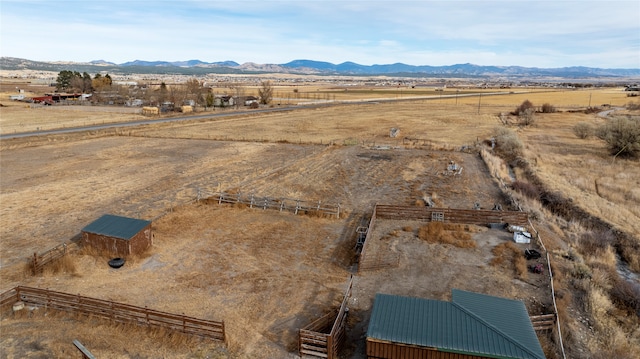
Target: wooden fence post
<point>35,263</point>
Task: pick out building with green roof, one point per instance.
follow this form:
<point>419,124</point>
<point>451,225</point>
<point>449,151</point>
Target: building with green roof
<point>116,235</point>
<point>471,326</point>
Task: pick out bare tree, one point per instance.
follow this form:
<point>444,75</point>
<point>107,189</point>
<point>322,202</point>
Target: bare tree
<point>265,92</point>
<point>195,91</point>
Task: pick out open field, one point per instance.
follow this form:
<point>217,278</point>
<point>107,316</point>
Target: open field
<point>19,117</point>
<point>583,170</point>
<point>268,273</point>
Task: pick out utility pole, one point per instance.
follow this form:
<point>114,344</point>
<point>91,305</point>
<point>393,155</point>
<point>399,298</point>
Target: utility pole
<point>479,99</point>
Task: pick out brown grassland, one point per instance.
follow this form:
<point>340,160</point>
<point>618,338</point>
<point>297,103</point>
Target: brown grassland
<point>269,273</point>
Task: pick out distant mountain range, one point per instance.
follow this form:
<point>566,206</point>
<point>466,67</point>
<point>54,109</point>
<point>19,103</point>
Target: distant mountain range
<point>197,67</point>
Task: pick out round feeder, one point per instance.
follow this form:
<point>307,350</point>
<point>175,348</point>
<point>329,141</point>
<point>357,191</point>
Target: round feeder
<point>116,262</point>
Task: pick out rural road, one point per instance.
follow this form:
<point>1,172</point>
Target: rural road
<point>227,114</point>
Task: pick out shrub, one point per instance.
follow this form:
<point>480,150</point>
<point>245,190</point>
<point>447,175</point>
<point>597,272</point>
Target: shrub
<point>626,295</point>
<point>556,202</point>
<point>581,271</point>
<point>527,189</point>
<point>583,130</point>
<point>508,144</point>
<point>525,105</point>
<point>527,117</point>
<point>622,136</point>
<point>632,106</point>
<point>548,108</point>
<point>596,241</point>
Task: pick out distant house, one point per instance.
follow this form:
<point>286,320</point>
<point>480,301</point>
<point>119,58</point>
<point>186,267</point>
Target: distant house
<point>224,101</point>
<point>471,326</point>
<point>118,235</point>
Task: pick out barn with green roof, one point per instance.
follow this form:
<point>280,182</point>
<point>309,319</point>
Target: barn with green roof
<point>471,326</point>
<point>116,235</point>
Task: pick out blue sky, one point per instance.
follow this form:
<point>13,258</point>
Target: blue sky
<point>515,32</point>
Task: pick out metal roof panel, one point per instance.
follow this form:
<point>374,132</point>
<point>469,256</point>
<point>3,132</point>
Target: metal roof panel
<point>116,226</point>
<point>450,327</point>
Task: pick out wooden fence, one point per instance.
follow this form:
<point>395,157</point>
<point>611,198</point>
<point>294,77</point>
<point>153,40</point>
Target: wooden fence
<point>452,215</point>
<point>7,299</point>
<point>296,206</point>
<point>115,312</point>
<point>373,261</point>
<point>314,341</point>
<point>368,261</point>
<point>363,263</point>
<point>39,261</point>
<point>543,322</point>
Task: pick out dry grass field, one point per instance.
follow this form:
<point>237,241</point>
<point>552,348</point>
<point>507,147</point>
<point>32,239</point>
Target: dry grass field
<point>583,170</point>
<point>268,273</point>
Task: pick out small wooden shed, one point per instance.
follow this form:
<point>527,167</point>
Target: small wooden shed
<point>118,235</point>
<point>471,326</point>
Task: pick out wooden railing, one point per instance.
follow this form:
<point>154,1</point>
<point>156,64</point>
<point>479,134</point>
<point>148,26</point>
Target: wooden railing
<point>543,322</point>
<point>452,215</point>
<point>115,312</point>
<point>281,204</point>
<point>313,339</point>
<point>8,298</point>
<point>39,261</point>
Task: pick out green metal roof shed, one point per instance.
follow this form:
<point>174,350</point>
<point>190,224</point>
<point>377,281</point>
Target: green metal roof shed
<point>116,226</point>
<point>472,325</point>
<point>118,235</point>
